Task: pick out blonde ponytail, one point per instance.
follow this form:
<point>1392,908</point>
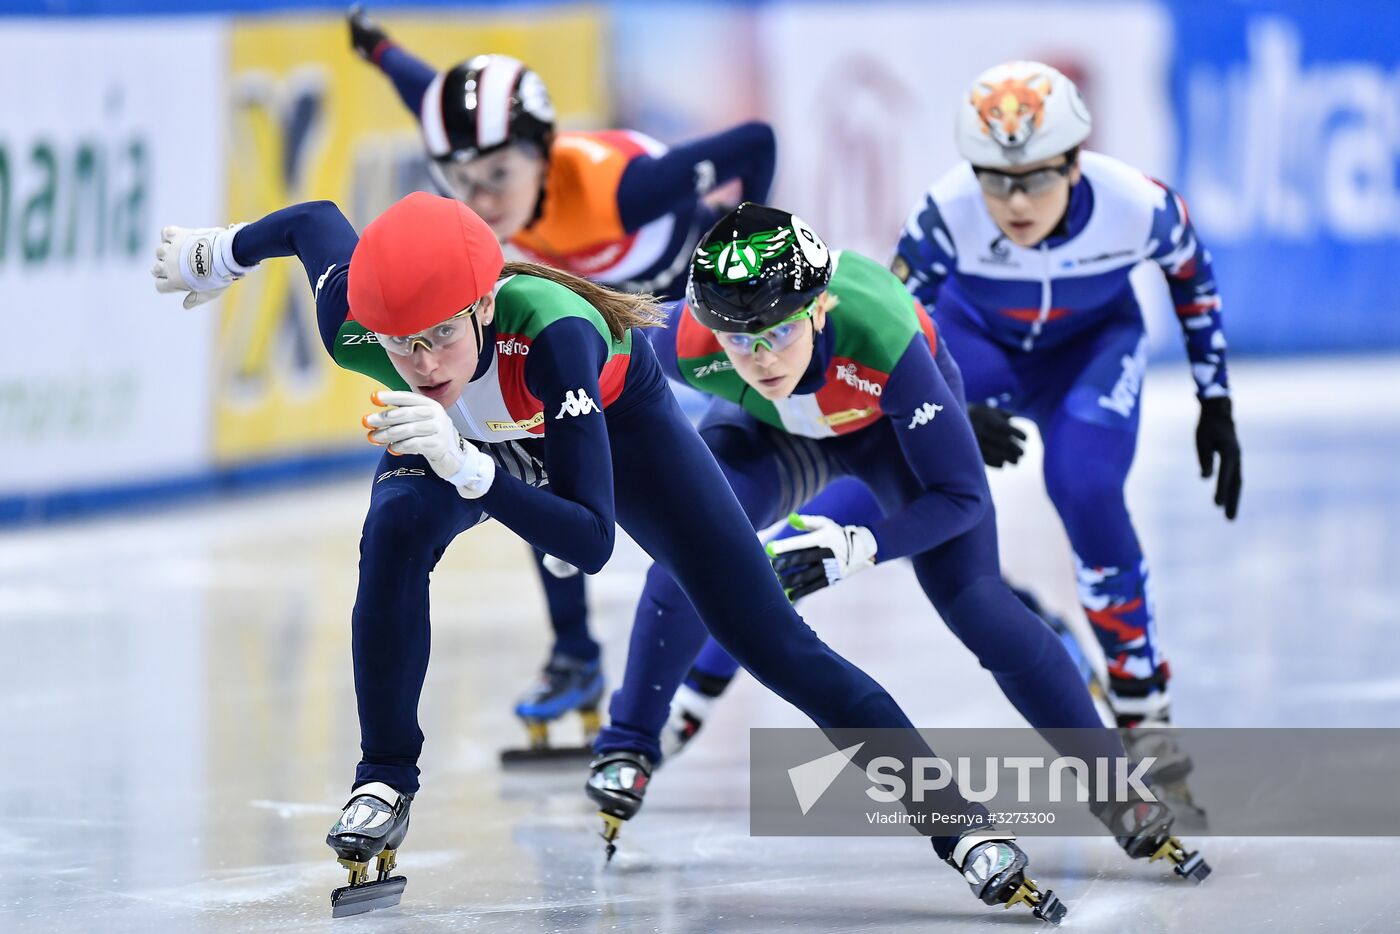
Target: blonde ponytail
<point>619,309</point>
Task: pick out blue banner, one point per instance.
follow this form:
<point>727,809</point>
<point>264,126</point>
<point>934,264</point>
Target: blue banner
<point>1288,113</point>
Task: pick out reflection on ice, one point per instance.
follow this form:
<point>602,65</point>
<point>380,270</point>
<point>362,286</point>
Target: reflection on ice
<point>179,725</point>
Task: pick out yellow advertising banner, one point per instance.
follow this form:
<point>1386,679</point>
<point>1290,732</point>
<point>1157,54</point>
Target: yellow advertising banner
<point>308,119</point>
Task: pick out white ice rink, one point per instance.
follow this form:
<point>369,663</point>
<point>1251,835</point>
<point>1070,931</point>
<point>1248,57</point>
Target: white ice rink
<point>179,728</point>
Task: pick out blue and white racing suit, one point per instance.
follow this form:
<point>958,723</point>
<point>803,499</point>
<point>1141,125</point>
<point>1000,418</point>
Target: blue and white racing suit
<point>1055,333</point>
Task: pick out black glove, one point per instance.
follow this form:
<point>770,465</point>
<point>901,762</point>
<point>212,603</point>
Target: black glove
<point>366,36</point>
<point>999,440</point>
<point>1215,434</point>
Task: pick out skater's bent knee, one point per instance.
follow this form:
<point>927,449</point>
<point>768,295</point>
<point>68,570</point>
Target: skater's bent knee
<point>996,626</point>
<point>398,519</point>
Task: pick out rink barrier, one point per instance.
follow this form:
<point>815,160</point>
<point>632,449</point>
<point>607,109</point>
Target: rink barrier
<point>186,489</point>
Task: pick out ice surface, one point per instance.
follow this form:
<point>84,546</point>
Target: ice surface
<point>179,728</point>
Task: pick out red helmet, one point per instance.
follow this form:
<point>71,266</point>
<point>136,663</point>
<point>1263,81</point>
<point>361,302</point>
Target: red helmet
<point>421,262</point>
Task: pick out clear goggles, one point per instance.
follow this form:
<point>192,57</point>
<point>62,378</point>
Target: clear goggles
<point>777,338</point>
<point>437,337</point>
<point>465,181</point>
<point>1003,185</point>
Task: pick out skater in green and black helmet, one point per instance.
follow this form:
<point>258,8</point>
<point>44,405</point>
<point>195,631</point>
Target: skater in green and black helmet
<point>824,367</point>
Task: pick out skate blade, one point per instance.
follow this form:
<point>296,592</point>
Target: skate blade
<point>1194,867</point>
<point>1044,905</point>
<point>1191,866</point>
<point>369,896</point>
<point>546,754</point>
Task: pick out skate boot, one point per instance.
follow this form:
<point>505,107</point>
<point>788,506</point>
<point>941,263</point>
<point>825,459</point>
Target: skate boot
<point>1142,709</point>
<point>372,827</point>
<point>617,785</point>
<point>1144,830</point>
<point>565,685</point>
<point>995,867</point>
<point>689,708</point>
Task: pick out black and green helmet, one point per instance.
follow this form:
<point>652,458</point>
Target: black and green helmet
<point>756,267</point>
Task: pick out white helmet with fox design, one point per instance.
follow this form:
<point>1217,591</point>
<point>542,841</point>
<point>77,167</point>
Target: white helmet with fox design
<point>1018,113</point>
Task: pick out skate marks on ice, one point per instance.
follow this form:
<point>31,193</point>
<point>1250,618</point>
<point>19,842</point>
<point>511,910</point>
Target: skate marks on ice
<point>179,728</point>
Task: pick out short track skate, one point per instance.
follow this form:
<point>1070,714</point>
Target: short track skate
<point>566,685</point>
<point>1144,830</point>
<point>372,827</point>
<point>994,866</point>
<point>617,785</point>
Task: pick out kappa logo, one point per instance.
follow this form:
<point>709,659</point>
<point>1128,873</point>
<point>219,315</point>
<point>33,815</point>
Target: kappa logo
<point>401,472</point>
<point>713,367</point>
<point>846,373</point>
<point>577,402</point>
<point>322,281</point>
<point>924,414</point>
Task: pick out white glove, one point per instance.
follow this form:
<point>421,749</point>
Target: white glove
<point>414,424</point>
<point>826,554</point>
<point>197,260</point>
<point>558,567</point>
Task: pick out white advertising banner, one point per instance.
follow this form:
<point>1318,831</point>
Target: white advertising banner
<point>863,98</point>
<point>110,129</point>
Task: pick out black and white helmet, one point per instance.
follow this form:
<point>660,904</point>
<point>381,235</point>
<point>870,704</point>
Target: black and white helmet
<point>483,104</point>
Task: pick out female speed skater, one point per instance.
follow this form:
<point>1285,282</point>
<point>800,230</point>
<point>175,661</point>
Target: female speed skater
<point>1022,255</point>
<point>615,206</point>
<point>824,367</point>
<point>558,444</point>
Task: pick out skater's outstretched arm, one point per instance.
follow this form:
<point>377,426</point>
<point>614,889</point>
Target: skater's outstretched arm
<point>205,261</point>
<point>319,235</point>
<point>654,186</point>
<point>411,76</point>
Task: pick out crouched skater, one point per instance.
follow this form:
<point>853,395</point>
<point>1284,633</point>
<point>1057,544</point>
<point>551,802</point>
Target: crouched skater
<point>559,444</point>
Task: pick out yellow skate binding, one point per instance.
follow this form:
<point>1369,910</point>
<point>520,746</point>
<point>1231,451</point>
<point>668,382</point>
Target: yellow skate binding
<point>612,826</point>
<point>1044,904</point>
<point>541,750</point>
